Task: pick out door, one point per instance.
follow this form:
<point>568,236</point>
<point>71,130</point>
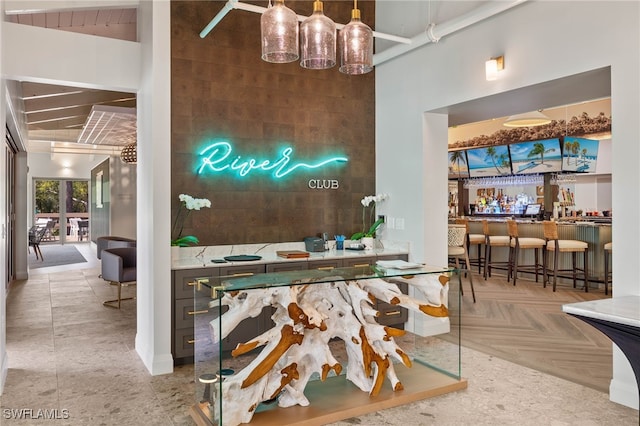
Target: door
<point>61,205</point>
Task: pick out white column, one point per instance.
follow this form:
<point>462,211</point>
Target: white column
<point>153,339</point>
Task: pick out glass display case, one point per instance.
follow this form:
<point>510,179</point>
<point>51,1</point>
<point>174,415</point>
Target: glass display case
<point>318,346</point>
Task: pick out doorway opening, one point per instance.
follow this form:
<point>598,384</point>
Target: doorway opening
<point>62,207</point>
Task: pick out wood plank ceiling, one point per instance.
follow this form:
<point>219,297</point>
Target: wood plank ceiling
<point>65,115</point>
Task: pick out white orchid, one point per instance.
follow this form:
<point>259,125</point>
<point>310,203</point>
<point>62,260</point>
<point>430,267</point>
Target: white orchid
<point>187,203</point>
<point>194,203</point>
<point>370,201</point>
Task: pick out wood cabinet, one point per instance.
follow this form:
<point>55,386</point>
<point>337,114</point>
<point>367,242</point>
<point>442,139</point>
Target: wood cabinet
<point>184,311</point>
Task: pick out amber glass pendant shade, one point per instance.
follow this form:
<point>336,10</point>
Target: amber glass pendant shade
<point>317,40</point>
<point>279,26</point>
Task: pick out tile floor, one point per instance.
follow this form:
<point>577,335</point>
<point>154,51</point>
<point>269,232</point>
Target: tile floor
<point>69,353</point>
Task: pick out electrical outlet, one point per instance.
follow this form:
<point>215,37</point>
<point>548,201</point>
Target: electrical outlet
<point>381,216</point>
<point>400,223</point>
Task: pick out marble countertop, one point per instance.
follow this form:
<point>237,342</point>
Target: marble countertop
<point>202,256</point>
<point>621,310</point>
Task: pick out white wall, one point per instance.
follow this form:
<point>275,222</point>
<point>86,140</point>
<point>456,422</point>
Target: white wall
<point>4,362</point>
<point>541,41</point>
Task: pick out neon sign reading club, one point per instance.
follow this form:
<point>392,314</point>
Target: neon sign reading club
<point>218,157</point>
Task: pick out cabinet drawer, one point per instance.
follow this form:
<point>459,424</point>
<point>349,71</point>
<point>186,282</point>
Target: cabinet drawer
<point>183,343</point>
<point>185,312</point>
<point>358,261</point>
<point>184,281</point>
<point>404,257</point>
<point>287,266</point>
<point>325,264</point>
<point>391,314</point>
<point>250,268</point>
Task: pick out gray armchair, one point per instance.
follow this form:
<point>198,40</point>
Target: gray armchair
<point>119,268</point>
<point>112,241</point>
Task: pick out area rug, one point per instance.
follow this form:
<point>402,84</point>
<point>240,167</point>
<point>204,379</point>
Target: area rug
<point>55,255</point>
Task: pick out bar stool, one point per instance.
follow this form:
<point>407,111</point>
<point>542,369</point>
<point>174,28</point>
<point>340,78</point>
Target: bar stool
<point>456,250</point>
<point>490,242</point>
<point>524,243</point>
<point>556,245</point>
<point>473,240</point>
<point>608,251</point>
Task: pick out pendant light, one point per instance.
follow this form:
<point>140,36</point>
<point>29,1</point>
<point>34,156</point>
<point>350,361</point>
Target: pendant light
<point>279,26</point>
<point>317,40</point>
<point>356,43</point>
<point>528,119</point>
<point>129,153</point>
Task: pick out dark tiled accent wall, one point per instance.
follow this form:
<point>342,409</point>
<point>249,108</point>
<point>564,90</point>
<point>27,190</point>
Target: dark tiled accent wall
<point>222,90</point>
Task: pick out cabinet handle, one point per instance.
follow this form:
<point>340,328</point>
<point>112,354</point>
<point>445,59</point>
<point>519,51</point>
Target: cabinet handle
<point>360,265</point>
<point>243,274</point>
<point>191,342</point>
<point>198,282</point>
<point>325,268</point>
<point>197,312</point>
<point>391,313</point>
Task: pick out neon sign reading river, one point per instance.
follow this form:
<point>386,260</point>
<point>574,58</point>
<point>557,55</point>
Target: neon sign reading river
<point>219,157</point>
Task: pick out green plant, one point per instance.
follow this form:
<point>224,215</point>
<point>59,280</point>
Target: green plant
<point>368,203</point>
<point>187,205</point>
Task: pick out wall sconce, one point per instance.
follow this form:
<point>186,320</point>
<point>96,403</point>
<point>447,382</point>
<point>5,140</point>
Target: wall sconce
<point>492,66</point>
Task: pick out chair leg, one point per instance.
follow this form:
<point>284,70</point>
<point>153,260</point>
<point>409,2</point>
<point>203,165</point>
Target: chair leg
<point>606,272</point>
<point>544,267</point>
<point>574,257</point>
<point>459,276</point>
<point>555,268</point>
<point>586,271</point>
<point>515,264</point>
<point>115,303</point>
<point>487,260</point>
<point>473,292</point>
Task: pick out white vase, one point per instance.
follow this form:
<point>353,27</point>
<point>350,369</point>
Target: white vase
<point>368,243</point>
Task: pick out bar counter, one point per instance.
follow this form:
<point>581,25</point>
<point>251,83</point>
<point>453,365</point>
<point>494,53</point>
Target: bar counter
<point>594,233</point>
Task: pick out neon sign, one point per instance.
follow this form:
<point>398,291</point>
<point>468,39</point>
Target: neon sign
<point>219,157</point>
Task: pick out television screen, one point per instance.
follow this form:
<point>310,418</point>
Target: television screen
<point>489,161</point>
<point>458,165</point>
<point>580,155</point>
<point>541,156</point>
<point>532,210</point>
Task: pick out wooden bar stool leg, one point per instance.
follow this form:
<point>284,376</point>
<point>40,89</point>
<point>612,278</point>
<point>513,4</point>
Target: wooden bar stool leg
<point>574,257</point>
<point>545,274</point>
<point>515,264</point>
<point>473,292</point>
<point>586,271</point>
<point>537,262</point>
<point>607,259</point>
<point>555,268</point>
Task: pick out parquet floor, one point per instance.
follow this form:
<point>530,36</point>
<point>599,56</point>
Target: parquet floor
<point>525,325</point>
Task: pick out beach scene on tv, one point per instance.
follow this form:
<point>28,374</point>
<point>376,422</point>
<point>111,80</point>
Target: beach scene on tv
<point>580,155</point>
<point>458,165</point>
<point>541,156</point>
<point>489,161</point>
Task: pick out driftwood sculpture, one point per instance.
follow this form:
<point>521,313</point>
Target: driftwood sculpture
<point>306,318</point>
